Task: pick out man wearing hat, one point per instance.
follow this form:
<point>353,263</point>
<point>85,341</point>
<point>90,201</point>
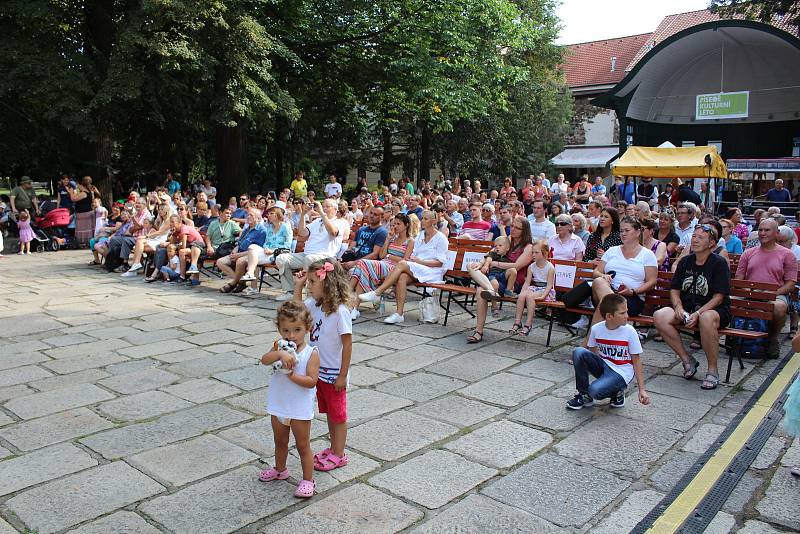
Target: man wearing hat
<point>23,197</point>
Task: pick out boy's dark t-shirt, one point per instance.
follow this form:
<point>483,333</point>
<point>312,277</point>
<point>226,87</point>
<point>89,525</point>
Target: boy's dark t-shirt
<point>698,283</point>
<point>497,257</point>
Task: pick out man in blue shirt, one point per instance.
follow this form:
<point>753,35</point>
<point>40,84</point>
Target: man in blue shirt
<point>778,193</point>
<point>368,241</point>
<point>598,188</point>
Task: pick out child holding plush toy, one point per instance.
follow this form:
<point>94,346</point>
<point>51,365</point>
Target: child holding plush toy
<point>290,398</point>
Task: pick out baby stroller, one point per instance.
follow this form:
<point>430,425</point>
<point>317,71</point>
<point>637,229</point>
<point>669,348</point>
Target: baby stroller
<point>51,230</point>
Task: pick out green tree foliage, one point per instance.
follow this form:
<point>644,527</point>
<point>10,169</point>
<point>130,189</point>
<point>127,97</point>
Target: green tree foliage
<point>245,89</point>
<point>767,11</point>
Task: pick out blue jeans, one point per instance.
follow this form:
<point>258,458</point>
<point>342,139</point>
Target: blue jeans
<point>608,381</point>
<point>171,274</point>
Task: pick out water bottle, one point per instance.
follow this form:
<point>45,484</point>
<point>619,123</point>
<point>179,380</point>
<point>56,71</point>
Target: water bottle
<point>382,305</point>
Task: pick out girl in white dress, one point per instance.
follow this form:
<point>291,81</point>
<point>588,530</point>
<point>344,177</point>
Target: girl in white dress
<point>291,395</point>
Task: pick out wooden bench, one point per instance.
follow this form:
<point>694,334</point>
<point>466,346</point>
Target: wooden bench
<point>748,300</point>
<point>271,270</point>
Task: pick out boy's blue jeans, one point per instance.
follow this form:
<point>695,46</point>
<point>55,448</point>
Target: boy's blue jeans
<point>608,381</point>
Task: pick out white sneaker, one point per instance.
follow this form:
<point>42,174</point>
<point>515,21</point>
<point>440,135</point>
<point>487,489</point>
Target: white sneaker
<point>135,267</point>
<point>583,322</point>
<point>369,296</point>
<point>128,274</point>
<point>246,278</point>
<point>249,291</point>
<point>394,319</point>
<point>354,314</point>
<point>284,297</point>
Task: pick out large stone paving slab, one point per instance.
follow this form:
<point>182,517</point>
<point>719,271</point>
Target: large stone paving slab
<point>779,504</point>
<point>550,413</point>
<point>164,430</point>
<point>221,504</point>
<point>505,389</point>
<point>201,390</point>
<point>257,435</point>
<point>477,514</point>
<point>40,404</point>
<point>254,402</point>
<point>142,406</point>
<point>420,386</point>
<point>546,487</point>
<point>545,369</point>
<point>357,509</point>
<point>408,361</point>
<point>644,444</point>
<point>630,512</point>
<point>247,378</point>
<point>62,381</point>
<point>209,365</point>
<point>367,403</point>
<point>501,444</point>
<point>21,375</point>
<point>456,410</point>
<point>433,479</point>
<point>81,363</point>
<point>30,435</point>
<point>472,366</point>
<point>9,361</point>
<point>663,410</point>
<point>185,462</point>
<point>41,466</point>
<point>139,381</point>
<point>687,390</point>
<point>397,434</point>
<point>118,523</point>
<point>81,497</point>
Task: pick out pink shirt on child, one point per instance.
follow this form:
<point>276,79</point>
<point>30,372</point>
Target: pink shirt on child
<point>776,266</point>
<point>191,234</point>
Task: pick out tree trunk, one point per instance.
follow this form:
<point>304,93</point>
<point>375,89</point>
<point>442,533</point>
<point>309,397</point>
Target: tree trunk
<point>103,180</point>
<point>230,144</point>
<point>424,153</point>
<point>277,143</point>
<point>387,160</point>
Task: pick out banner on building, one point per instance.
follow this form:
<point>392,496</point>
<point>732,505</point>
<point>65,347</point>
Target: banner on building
<point>722,105</point>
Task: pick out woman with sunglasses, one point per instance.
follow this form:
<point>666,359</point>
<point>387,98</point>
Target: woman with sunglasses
<point>565,245</point>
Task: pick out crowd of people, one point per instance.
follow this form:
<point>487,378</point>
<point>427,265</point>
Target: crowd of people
<point>381,241</point>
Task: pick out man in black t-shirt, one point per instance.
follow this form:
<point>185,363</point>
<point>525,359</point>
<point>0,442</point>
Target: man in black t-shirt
<point>687,194</point>
<point>700,295</point>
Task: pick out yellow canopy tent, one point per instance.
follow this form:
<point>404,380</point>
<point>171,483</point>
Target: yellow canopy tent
<point>678,162</point>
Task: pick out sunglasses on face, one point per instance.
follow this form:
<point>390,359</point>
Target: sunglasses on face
<point>562,223</point>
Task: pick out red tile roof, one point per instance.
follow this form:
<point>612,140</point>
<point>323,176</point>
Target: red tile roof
<point>590,63</point>
<point>678,22</point>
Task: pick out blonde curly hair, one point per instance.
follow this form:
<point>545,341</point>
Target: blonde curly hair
<point>336,286</point>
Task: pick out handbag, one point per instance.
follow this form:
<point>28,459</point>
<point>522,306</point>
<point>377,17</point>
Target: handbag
<point>224,249</point>
<point>429,309</point>
<point>277,252</point>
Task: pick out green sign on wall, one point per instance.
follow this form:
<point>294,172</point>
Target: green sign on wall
<point>722,105</point>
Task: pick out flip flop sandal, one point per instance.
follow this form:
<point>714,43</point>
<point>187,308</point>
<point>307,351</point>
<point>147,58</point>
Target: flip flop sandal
<point>525,330</point>
<point>271,474</point>
<point>227,288</point>
<point>93,263</point>
<point>489,296</point>
<point>305,490</point>
<point>711,381</point>
<point>477,337</point>
<point>690,368</point>
<point>322,454</point>
<point>515,329</point>
<point>239,287</point>
<point>331,462</point>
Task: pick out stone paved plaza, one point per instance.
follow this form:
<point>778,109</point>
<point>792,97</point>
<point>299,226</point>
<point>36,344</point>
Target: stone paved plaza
<point>128,407</point>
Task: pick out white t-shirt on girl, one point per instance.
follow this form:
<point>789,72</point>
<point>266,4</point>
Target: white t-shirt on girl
<point>174,263</point>
<point>288,400</point>
<point>326,332</point>
<point>629,271</point>
<point>100,219</point>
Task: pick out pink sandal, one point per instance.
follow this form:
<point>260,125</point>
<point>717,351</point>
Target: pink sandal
<point>330,462</point>
<point>322,454</point>
<point>271,474</point>
<point>305,490</point>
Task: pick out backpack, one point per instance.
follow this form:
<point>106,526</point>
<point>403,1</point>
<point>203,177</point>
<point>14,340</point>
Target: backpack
<point>752,348</point>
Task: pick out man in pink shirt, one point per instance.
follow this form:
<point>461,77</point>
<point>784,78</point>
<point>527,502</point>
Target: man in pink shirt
<point>475,228</point>
<point>774,264</point>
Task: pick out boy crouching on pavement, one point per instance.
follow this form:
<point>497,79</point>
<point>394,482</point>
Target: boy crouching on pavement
<point>612,358</point>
